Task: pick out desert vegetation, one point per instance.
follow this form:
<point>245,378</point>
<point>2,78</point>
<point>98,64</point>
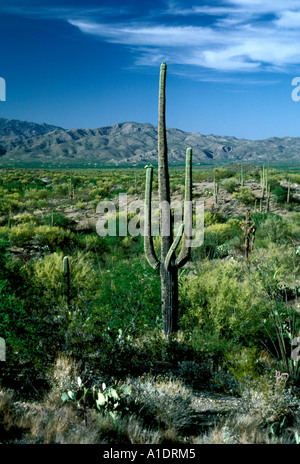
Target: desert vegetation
<point>86,358</point>
<point>99,347</point>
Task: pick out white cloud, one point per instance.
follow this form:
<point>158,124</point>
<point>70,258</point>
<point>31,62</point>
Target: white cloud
<point>289,20</point>
<point>147,34</point>
<point>265,6</point>
<point>239,37</point>
<point>242,48</point>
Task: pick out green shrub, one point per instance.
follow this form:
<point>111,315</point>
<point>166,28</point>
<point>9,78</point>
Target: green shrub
<point>56,238</point>
<point>269,398</point>
<point>229,185</point>
<point>220,300</point>
<point>219,239</point>
<point>280,194</point>
<point>48,274</point>
<point>21,234</point>
<point>245,195</point>
<point>59,220</point>
<point>277,230</point>
<point>212,218</point>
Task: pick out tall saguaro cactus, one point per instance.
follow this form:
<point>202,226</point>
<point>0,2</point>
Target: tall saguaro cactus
<point>168,264</point>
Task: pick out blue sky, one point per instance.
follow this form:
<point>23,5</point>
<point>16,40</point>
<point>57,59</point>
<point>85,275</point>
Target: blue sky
<point>88,64</point>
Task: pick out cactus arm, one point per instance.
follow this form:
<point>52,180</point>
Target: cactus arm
<point>185,252</point>
<point>174,246</point>
<point>148,240</point>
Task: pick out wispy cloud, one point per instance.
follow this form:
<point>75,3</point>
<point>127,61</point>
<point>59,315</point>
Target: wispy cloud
<point>228,36</point>
<point>244,48</point>
<point>62,12</point>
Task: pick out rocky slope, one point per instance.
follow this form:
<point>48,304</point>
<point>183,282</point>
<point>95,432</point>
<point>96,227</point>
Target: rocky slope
<point>131,143</point>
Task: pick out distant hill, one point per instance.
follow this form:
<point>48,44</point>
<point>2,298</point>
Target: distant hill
<point>15,129</point>
<point>131,143</point>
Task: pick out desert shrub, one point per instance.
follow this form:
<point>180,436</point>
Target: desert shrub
<point>195,374</point>
<point>45,236</point>
<point>278,266</point>
<point>31,205</point>
<point>222,173</point>
<point>56,238</point>
<point>11,205</point>
<point>295,218</point>
<point>212,218</point>
<point>280,194</point>
<point>94,243</point>
<point>131,190</point>
<point>244,195</point>
<point>59,220</point>
<point>47,273</point>
<point>61,190</point>
<point>14,319</point>
<point>21,234</point>
<point>211,349</point>
<point>63,374</point>
<point>126,304</point>
<point>229,185</point>
<point>221,300</point>
<point>277,230</point>
<point>23,218</point>
<point>162,401</point>
<point>269,398</point>
<point>33,194</point>
<point>231,247</point>
<point>217,235</point>
<point>24,328</point>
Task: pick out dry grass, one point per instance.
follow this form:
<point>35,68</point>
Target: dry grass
<point>63,375</point>
<point>160,412</point>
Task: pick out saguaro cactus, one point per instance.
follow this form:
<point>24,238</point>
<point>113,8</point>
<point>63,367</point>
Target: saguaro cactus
<point>216,189</point>
<point>168,264</point>
<point>242,176</point>
<point>268,198</point>
<point>248,231</point>
<point>288,191</point>
<point>264,174</point>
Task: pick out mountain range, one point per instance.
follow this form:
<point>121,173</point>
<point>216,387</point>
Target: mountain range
<point>132,144</point>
